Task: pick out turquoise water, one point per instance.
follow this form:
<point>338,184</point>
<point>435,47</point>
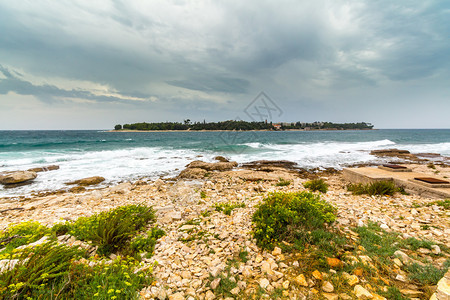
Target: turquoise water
<point>128,155</point>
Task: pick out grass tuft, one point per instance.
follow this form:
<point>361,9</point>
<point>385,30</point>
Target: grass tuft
<point>316,185</point>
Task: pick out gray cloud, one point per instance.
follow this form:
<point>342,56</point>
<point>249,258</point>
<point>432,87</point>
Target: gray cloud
<point>214,54</point>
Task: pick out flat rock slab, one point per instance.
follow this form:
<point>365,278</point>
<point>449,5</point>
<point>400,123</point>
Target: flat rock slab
<point>17,177</point>
<point>402,179</point>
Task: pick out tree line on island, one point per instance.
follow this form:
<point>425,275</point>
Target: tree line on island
<point>243,125</point>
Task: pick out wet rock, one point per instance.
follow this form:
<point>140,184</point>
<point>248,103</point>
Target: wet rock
<point>17,177</point>
<point>44,169</point>
<point>193,173</point>
<point>219,166</point>
<point>87,181</point>
<point>221,159</point>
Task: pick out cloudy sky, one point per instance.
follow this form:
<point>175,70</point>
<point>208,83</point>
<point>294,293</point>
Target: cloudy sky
<point>94,64</point>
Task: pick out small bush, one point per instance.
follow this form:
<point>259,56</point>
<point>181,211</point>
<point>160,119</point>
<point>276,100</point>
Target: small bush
<point>427,274</point>
<point>147,242</point>
<point>282,216</point>
<point>112,230</point>
<point>37,271</point>
<point>21,234</point>
<point>203,194</point>
<point>282,182</point>
<point>227,208</point>
<point>374,188</point>
<point>316,185</point>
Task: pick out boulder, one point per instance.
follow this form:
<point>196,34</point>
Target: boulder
<point>44,169</point>
<point>219,166</point>
<point>193,173</point>
<point>221,159</point>
<point>17,177</point>
<point>88,181</point>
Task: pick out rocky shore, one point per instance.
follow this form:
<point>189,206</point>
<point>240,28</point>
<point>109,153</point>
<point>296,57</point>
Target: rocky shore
<point>207,254</point>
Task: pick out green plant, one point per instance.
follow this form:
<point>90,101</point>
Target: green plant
<point>374,188</point>
<point>146,242</point>
<point>21,234</point>
<point>227,208</point>
<point>119,279</point>
<point>393,293</point>
<point>316,185</point>
<point>431,166</point>
<point>283,216</point>
<point>202,194</point>
<point>38,270</point>
<point>283,182</point>
<point>427,274</point>
<point>443,203</point>
<point>112,230</point>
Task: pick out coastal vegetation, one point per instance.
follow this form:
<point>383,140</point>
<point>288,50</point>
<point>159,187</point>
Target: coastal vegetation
<point>243,125</point>
<point>50,269</point>
<point>374,188</point>
<point>316,185</point>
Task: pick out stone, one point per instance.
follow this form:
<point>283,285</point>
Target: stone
<point>351,279</point>
<point>329,296</point>
<point>7,264</point>
<point>176,296</point>
<point>266,268</point>
<point>362,293</point>
<point>443,287</point>
<point>285,284</point>
<point>219,166</point>
<point>411,293</point>
<point>44,169</point>
<point>435,249</point>
<point>317,275</point>
<point>334,262</point>
<point>215,283</point>
<point>397,262</point>
<point>378,297</point>
<point>402,256</point>
<point>17,177</point>
<point>301,280</point>
<point>327,287</point>
<point>264,283</point>
<point>247,272</point>
<point>192,173</point>
<point>384,226</point>
<point>401,278</point>
<point>276,251</point>
<point>424,250</point>
<point>221,159</point>
<point>235,291</point>
<point>88,181</point>
<point>209,295</point>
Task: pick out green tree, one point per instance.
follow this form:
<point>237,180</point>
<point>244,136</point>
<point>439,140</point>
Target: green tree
<point>118,127</point>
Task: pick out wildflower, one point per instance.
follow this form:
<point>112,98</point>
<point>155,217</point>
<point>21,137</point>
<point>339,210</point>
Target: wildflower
<point>127,283</point>
<point>96,295</point>
<point>110,291</point>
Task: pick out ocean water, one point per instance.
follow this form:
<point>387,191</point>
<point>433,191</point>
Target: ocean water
<point>119,156</point>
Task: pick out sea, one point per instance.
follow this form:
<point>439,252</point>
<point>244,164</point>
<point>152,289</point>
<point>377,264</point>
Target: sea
<point>123,156</point>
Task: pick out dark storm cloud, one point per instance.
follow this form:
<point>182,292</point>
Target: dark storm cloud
<point>49,93</point>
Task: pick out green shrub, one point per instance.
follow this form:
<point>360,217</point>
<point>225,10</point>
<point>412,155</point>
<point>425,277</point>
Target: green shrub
<point>21,234</point>
<point>374,188</point>
<point>112,230</point>
<point>316,185</point>
<point>37,271</point>
<point>147,242</point>
<point>227,208</point>
<point>203,194</point>
<point>283,216</point>
<point>117,280</point>
<point>282,182</point>
<point>427,274</point>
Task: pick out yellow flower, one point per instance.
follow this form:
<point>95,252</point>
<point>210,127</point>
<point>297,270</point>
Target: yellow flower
<point>110,291</point>
<point>113,297</point>
<point>118,291</point>
<point>127,283</point>
<point>96,295</point>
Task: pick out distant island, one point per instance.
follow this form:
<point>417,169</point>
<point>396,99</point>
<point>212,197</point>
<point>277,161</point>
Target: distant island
<point>240,125</point>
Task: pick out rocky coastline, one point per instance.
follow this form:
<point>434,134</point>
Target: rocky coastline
<point>207,254</point>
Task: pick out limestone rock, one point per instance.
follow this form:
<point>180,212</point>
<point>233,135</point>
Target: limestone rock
<point>221,159</point>
<point>176,296</point>
<point>193,173</point>
<point>209,295</point>
<point>17,177</point>
<point>327,287</point>
<point>44,169</point>
<point>334,262</point>
<point>329,296</point>
<point>301,280</point>
<point>88,181</point>
<point>276,251</point>
<point>362,293</point>
<point>264,283</point>
<point>215,283</point>
<point>219,166</point>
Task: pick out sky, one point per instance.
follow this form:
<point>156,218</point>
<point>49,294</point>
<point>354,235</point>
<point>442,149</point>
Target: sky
<point>93,64</point>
